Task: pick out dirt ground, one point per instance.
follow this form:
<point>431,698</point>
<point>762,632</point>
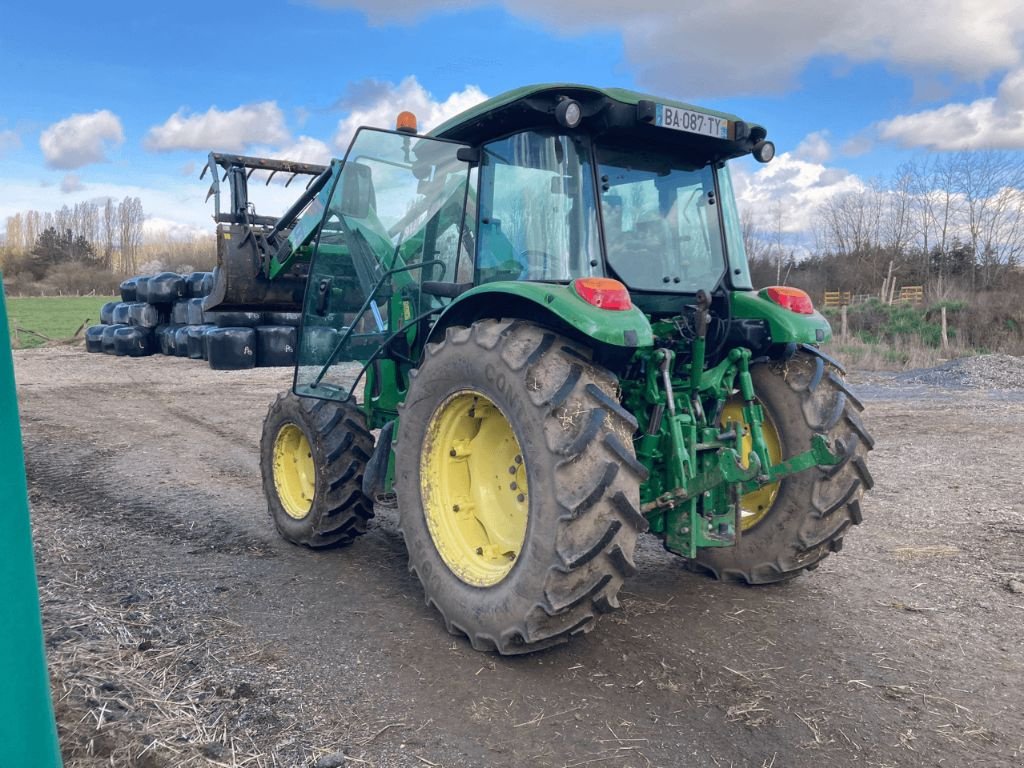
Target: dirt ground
<point>182,632</point>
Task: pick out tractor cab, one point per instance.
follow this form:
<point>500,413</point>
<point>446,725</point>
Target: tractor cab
<point>545,185</point>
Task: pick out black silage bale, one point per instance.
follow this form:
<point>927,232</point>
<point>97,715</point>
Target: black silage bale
<point>181,341</point>
<point>196,315</point>
<point>179,312</point>
<point>282,318</point>
<point>317,344</point>
<point>199,284</point>
<point>107,342</point>
<point>231,349</point>
<point>94,338</point>
<point>107,312</point>
<point>166,288</point>
<point>121,313</point>
<point>128,292</point>
<point>133,342</point>
<point>275,345</point>
<point>143,315</point>
<point>234,319</point>
<point>142,288</point>
<point>197,341</point>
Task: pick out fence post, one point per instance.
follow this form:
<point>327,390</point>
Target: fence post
<point>842,312</point>
<point>27,729</point>
<point>945,335</point>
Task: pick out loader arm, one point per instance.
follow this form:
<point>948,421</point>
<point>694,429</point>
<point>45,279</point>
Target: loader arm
<point>262,261</point>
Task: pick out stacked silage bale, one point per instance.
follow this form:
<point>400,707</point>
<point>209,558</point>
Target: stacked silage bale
<point>163,314</point>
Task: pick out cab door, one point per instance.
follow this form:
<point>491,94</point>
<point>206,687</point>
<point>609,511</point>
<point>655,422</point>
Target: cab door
<point>395,219</point>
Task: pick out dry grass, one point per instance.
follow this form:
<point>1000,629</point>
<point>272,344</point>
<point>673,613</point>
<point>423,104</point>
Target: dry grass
<point>901,356</point>
<point>153,678</point>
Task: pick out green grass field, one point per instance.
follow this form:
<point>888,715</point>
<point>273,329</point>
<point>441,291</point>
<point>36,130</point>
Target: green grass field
<point>57,317</point>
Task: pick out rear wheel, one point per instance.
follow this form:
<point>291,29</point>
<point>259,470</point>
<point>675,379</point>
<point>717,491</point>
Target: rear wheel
<point>312,458</point>
<point>517,485</point>
<point>791,526</point>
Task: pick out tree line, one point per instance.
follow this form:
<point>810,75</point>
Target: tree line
<point>949,222</point>
<point>107,235</point>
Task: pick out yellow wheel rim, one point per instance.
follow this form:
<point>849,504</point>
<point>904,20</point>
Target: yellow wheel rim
<point>756,504</point>
<point>294,471</point>
<point>473,485</point>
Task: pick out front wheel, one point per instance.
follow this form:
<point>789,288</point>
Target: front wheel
<point>517,485</point>
<point>312,457</point>
<point>791,526</point>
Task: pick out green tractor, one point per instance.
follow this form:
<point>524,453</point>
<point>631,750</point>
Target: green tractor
<point>544,310</point>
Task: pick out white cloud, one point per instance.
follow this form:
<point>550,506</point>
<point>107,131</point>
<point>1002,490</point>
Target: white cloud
<point>231,131</point>
<point>378,104</point>
<point>734,46</point>
<point>815,148</point>
<point>81,139</point>
<point>165,197</point>
<point>791,185</point>
<point>305,149</point>
<point>71,183</point>
<point>156,226</point>
<point>9,140</point>
<point>996,122</point>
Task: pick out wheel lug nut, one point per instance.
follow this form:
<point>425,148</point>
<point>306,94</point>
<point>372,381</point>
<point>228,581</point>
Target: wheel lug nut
<point>512,486</point>
<point>521,497</point>
<point>512,470</point>
<point>452,453</point>
<point>519,459</point>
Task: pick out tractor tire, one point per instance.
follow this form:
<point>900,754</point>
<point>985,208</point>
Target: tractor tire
<point>812,511</point>
<point>552,490</point>
<point>312,456</point>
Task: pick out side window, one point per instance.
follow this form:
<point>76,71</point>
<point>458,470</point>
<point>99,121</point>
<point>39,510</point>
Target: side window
<point>537,212</point>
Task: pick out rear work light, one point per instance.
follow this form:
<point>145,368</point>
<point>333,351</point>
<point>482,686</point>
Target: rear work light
<point>603,292</point>
<point>792,299</point>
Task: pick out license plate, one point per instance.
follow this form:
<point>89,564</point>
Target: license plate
<point>691,122</point>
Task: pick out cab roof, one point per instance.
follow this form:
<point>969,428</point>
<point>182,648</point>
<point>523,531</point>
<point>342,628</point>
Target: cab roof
<point>615,113</point>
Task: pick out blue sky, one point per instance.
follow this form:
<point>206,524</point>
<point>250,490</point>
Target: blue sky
<point>115,98</point>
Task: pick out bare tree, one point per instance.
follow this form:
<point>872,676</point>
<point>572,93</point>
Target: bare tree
<point>109,232</point>
<point>130,217</point>
<point>990,184</point>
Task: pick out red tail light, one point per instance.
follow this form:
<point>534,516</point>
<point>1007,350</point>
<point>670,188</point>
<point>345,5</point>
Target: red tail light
<point>792,299</point>
<point>603,292</point>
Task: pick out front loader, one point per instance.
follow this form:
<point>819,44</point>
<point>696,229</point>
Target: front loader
<point>543,310</point>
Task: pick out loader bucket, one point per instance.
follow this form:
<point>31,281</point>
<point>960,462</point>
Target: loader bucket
<point>240,285</point>
<point>259,264</point>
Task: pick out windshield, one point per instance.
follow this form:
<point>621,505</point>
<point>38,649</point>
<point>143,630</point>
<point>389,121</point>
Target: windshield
<point>661,222</point>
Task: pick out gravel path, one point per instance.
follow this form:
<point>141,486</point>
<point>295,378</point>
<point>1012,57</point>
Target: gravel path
<point>182,632</point>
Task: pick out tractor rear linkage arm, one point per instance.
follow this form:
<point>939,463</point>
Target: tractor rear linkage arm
<point>727,474</point>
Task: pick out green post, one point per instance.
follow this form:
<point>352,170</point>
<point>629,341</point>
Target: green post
<point>27,729</point>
